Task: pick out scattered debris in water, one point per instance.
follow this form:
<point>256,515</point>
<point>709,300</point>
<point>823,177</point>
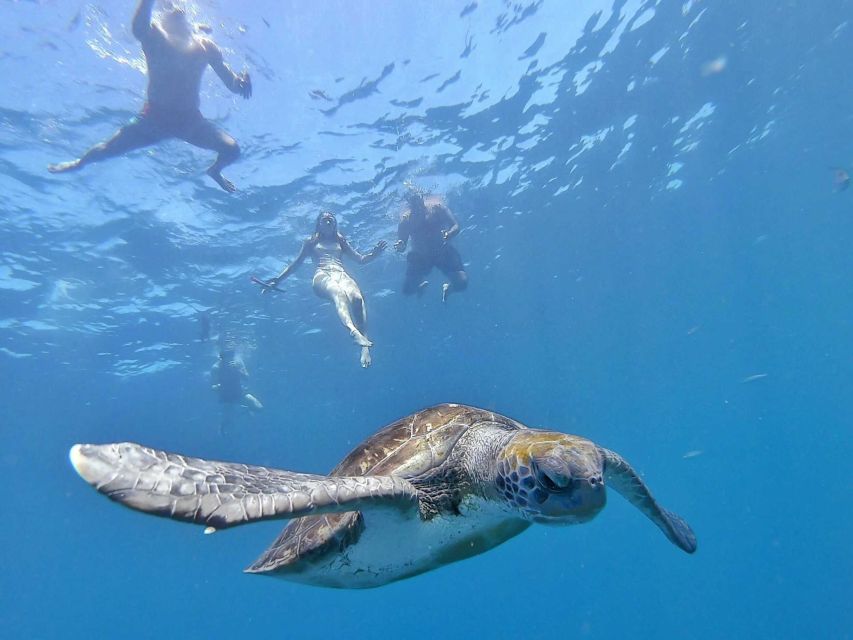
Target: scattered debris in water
<point>715,66</point>
<point>840,179</point>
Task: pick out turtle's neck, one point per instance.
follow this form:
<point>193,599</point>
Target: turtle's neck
<point>480,452</point>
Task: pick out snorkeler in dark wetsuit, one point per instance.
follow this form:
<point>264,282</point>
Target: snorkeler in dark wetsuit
<point>176,59</point>
<point>430,224</point>
<point>227,375</point>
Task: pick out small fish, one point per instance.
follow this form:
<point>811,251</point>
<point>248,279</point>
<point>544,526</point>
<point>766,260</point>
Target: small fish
<point>757,376</point>
<point>840,179</point>
<point>319,94</point>
<point>209,530</point>
<point>692,454</point>
<point>75,21</point>
<point>266,22</point>
<point>469,8</point>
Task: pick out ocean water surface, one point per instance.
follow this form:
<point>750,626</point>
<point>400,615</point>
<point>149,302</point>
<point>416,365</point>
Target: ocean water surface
<point>658,261</point>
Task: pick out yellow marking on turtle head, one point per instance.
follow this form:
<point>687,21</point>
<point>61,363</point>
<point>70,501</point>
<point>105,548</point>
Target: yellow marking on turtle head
<point>534,442</point>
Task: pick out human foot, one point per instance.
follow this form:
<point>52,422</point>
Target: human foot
<point>365,357</point>
<point>360,339</point>
<point>221,180</point>
<point>445,289</point>
<point>62,167</point>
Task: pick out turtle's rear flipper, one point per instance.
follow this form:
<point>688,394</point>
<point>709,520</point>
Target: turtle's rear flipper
<point>622,477</point>
<point>225,494</point>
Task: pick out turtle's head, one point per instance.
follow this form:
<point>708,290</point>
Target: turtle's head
<point>551,477</point>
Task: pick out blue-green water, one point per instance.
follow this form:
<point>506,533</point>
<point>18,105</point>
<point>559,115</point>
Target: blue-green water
<point>658,261</point>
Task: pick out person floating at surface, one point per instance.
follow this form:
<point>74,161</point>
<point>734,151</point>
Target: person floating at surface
<point>227,374</point>
<point>326,248</point>
<point>430,223</point>
<point>176,58</point>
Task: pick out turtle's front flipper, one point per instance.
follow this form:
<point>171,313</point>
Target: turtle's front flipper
<point>622,477</point>
<point>225,494</point>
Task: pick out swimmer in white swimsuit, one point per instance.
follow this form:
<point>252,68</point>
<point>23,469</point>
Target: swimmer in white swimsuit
<point>326,248</point>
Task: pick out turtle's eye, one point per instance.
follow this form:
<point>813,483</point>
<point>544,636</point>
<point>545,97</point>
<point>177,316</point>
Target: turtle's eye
<point>549,484</point>
<point>555,480</point>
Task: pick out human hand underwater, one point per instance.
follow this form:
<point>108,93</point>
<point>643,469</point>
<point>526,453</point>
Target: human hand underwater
<point>269,285</point>
<point>244,84</point>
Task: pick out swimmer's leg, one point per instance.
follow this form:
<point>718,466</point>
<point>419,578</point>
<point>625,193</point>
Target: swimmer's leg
<point>359,317</point>
<point>359,310</point>
<point>252,402</point>
<point>458,282</point>
<point>411,285</point>
<point>207,135</point>
<point>417,269</point>
<point>226,419</point>
<point>355,299</point>
<point>335,289</point>
<point>135,135</point>
<point>450,263</point>
<point>342,306</point>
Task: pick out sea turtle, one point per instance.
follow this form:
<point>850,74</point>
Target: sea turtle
<point>438,486</point>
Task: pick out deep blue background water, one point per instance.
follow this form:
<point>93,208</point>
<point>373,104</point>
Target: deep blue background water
<point>658,262</point>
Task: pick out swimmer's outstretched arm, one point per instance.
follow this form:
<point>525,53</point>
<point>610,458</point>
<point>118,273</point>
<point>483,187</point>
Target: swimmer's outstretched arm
<point>451,220</point>
<point>303,253</point>
<point>236,83</point>
<point>142,27</point>
<point>402,233</point>
<point>358,257</point>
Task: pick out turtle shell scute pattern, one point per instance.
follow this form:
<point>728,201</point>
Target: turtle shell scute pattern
<point>407,448</point>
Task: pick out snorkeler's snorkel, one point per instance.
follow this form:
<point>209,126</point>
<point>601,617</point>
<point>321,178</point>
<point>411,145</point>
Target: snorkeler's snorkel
<point>326,222</point>
<point>414,195</point>
<point>175,20</point>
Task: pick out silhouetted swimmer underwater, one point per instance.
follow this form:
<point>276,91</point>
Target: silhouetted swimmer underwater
<point>326,247</point>
<point>430,224</point>
<point>227,376</point>
<point>176,58</point>
<point>840,179</point>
